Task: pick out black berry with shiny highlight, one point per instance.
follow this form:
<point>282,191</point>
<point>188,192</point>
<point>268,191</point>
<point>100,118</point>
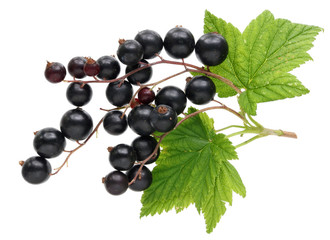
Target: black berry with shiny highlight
<point>130,52</point>
<point>122,157</point>
<point>151,42</point>
<point>179,42</point>
<point>141,76</point>
<point>173,97</point>
<point>116,183</point>
<point>143,180</point>
<point>76,67</point>
<point>49,142</point>
<point>109,68</point>
<point>119,94</point>
<point>139,120</point>
<point>163,118</point>
<point>144,146</point>
<point>200,90</point>
<point>36,170</point>
<point>146,95</point>
<point>115,123</point>
<point>76,124</point>
<point>55,72</point>
<point>211,49</point>
<point>78,95</point>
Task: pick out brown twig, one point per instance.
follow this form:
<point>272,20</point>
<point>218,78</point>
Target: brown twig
<point>79,146</point>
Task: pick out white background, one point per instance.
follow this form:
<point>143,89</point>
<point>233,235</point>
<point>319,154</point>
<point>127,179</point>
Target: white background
<point>287,180</point>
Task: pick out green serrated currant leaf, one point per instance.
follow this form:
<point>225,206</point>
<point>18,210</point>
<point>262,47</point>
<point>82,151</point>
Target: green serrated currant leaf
<point>260,58</point>
<point>235,62</point>
<point>226,182</point>
<point>276,46</point>
<point>187,170</point>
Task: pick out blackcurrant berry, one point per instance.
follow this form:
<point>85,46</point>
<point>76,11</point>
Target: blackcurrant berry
<point>115,122</point>
<point>144,147</point>
<point>211,49</point>
<point>49,142</point>
<point>116,183</point>
<point>91,67</point>
<point>173,97</point>
<point>76,67</point>
<point>76,124</point>
<point>141,76</point>
<point>143,180</point>
<point>36,170</point>
<point>146,95</point>
<point>200,90</point>
<point>151,42</point>
<point>78,95</point>
<point>55,72</point>
<point>139,120</point>
<point>163,118</point>
<point>109,67</point>
<point>122,157</point>
<point>119,94</point>
<point>130,52</point>
<point>179,42</point>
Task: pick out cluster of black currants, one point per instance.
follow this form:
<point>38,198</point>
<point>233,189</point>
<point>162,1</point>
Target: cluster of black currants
<point>150,112</point>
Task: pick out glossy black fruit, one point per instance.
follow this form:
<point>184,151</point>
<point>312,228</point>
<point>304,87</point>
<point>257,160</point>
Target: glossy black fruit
<point>49,142</point>
<point>122,157</point>
<point>143,181</point>
<point>109,68</point>
<point>77,95</point>
<point>114,123</point>
<point>163,118</point>
<point>55,72</point>
<point>130,52</point>
<point>151,42</point>
<point>211,49</point>
<point>173,97</point>
<point>139,120</point>
<point>76,124</point>
<point>200,90</point>
<point>146,95</point>
<point>36,170</point>
<point>116,183</point>
<point>144,146</point>
<point>179,42</point>
<point>119,94</point>
<point>141,76</point>
<point>76,67</point>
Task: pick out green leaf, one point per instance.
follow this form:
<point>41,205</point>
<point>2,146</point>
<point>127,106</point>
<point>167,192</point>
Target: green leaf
<point>260,58</point>
<point>235,61</point>
<point>193,168</point>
